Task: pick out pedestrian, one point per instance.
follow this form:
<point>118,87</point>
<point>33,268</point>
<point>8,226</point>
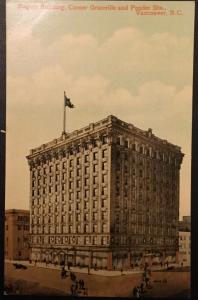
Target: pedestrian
<point>147,282</point>
<point>138,292</point>
<point>83,284</point>
<point>63,273</point>
<point>134,291</point>
<point>86,292</point>
<point>121,271</point>
<point>80,284</point>
<point>142,288</point>
<point>76,284</point>
<point>72,289</point>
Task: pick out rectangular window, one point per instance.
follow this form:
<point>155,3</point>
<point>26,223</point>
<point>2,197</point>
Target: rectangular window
<point>78,172</point>
<point>104,227</point>
<point>94,204</point>
<point>104,178</point>
<point>118,140</point>
<point>78,217</point>
<point>104,166</point>
<point>86,228</point>
<point>86,170</point>
<point>86,193</point>
<point>71,196</point>
<point>103,202</point>
<point>86,158</point>
<point>78,195</point>
<point>103,215</point>
<point>95,155</point>
<point>95,179</point>
<point>78,229</point>
<point>126,143</point>
<point>78,183</point>
<point>104,153</point>
<point>95,216</point>
<point>95,228</point>
<point>86,204</point>
<point>86,181</point>
<point>86,217</point>
<point>70,218</point>
<point>95,168</point>
<point>95,192</point>
<point>95,239</point>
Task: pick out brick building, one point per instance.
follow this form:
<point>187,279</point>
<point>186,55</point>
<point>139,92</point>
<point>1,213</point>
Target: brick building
<point>16,243</point>
<point>105,195</point>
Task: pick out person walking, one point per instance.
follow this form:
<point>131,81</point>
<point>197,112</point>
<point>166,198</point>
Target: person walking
<point>134,291</point>
<point>83,284</point>
<point>138,292</point>
<point>142,288</point>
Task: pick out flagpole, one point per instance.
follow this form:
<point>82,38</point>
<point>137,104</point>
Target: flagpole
<point>64,114</point>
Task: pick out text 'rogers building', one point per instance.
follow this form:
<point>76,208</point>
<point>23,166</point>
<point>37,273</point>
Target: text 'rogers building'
<point>106,195</point>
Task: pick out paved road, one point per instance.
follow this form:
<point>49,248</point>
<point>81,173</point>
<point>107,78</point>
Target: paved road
<point>37,280</point>
<point>92,271</point>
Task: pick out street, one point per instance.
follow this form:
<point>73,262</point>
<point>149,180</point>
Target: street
<point>45,281</point>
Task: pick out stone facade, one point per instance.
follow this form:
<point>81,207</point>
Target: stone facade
<point>16,245</point>
<point>105,195</point>
<point>185,248</point>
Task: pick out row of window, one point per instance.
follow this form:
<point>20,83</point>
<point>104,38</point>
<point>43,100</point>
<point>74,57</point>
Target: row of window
<point>69,229</point>
<point>20,227</point>
<point>148,151</point>
<point>87,240</point>
<point>23,218</point>
<point>69,218</point>
<point>49,208</point>
<point>79,194</point>
<point>56,167</point>
<point>79,183</point>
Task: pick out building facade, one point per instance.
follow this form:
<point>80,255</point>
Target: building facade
<point>185,248</point>
<point>105,195</point>
<point>16,244</point>
<point>185,241</point>
<point>185,224</point>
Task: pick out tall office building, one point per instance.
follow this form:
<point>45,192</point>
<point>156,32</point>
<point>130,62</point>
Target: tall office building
<point>105,195</point>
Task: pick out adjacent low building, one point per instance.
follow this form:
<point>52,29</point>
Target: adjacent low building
<point>16,242</point>
<point>105,195</point>
<point>185,241</point>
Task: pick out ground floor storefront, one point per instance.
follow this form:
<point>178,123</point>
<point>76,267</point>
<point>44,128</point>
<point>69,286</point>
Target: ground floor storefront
<point>102,258</point>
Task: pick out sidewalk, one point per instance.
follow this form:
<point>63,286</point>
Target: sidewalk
<point>85,270</point>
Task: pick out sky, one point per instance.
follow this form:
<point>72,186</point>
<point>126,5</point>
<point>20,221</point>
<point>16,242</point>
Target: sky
<point>110,62</point>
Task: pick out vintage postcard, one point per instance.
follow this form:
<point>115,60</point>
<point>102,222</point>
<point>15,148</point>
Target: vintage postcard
<point>98,153</point>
